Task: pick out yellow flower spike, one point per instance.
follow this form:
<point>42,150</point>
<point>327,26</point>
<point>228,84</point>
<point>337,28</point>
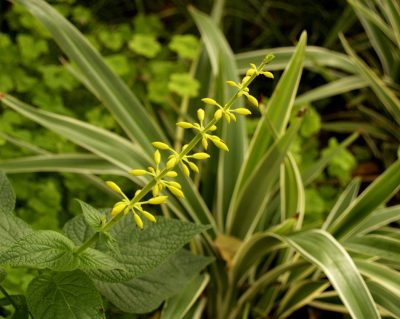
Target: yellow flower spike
<point>212,128</point>
<point>115,187</point>
<point>200,115</point>
<point>204,142</point>
<point>232,116</point>
<point>175,184</point>
<point>218,114</point>
<point>160,145</point>
<point>193,167</point>
<point>171,162</point>
<point>252,99</point>
<point>241,111</point>
<point>200,156</point>
<point>171,174</point>
<point>210,101</point>
<point>185,124</point>
<point>176,191</point>
<point>185,169</point>
<point>138,220</point>
<point>118,208</point>
<point>149,216</point>
<point>157,157</point>
<point>157,200</point>
<point>138,172</point>
<point>253,66</point>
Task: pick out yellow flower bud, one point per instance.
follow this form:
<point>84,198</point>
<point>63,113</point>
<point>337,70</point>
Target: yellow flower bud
<point>171,174</point>
<point>252,99</point>
<point>175,184</point>
<point>156,190</point>
<point>200,156</point>
<point>157,157</point>
<point>184,124</point>
<point>138,220</point>
<point>227,117</point>
<point>157,200</point>
<point>212,128</point>
<point>204,142</point>
<point>231,83</point>
<point>245,79</point>
<point>232,116</point>
<point>218,114</point>
<point>149,216</point>
<point>193,167</point>
<point>171,162</point>
<point>114,187</point>
<point>241,111</point>
<point>219,143</point>
<point>177,192</point>
<point>118,208</point>
<point>268,74</point>
<point>207,100</point>
<point>138,172</point>
<point>185,170</point>
<point>250,72</point>
<point>160,145</point>
<point>200,115</point>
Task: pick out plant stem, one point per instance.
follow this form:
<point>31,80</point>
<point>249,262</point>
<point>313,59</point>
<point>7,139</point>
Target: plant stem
<point>5,293</point>
<point>196,139</point>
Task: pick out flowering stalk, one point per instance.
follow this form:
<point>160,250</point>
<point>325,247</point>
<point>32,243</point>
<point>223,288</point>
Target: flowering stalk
<point>183,158</point>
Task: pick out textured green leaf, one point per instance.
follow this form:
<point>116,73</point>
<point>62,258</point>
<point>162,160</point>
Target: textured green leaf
<point>91,215</point>
<point>177,306</point>
<point>12,229</point>
<point>145,293</point>
<point>139,250</point>
<point>67,295</point>
<point>323,250</point>
<point>7,195</point>
<point>49,249</point>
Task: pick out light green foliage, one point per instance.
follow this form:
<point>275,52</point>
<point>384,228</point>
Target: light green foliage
<point>145,45</point>
<point>186,46</point>
<point>66,295</point>
<point>342,164</point>
<point>311,123</point>
<point>183,84</point>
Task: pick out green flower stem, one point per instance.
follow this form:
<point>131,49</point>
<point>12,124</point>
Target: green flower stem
<point>196,139</point>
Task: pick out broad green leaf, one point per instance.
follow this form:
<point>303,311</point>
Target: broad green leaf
<point>380,217</point>
<point>183,84</point>
<point>115,95</point>
<point>315,57</point>
<point>344,201</point>
<point>7,195</point>
<point>388,98</point>
<point>299,294</point>
<point>177,306</point>
<point>223,68</point>
<point>139,250</point>
<point>377,193</point>
<point>91,215</point>
<point>323,250</point>
<point>49,249</point>
<point>67,295</point>
<point>376,246</point>
<point>277,112</point>
<point>251,198</point>
<point>147,292</point>
<point>69,163</point>
<point>385,298</point>
<point>110,146</point>
<point>381,274</point>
